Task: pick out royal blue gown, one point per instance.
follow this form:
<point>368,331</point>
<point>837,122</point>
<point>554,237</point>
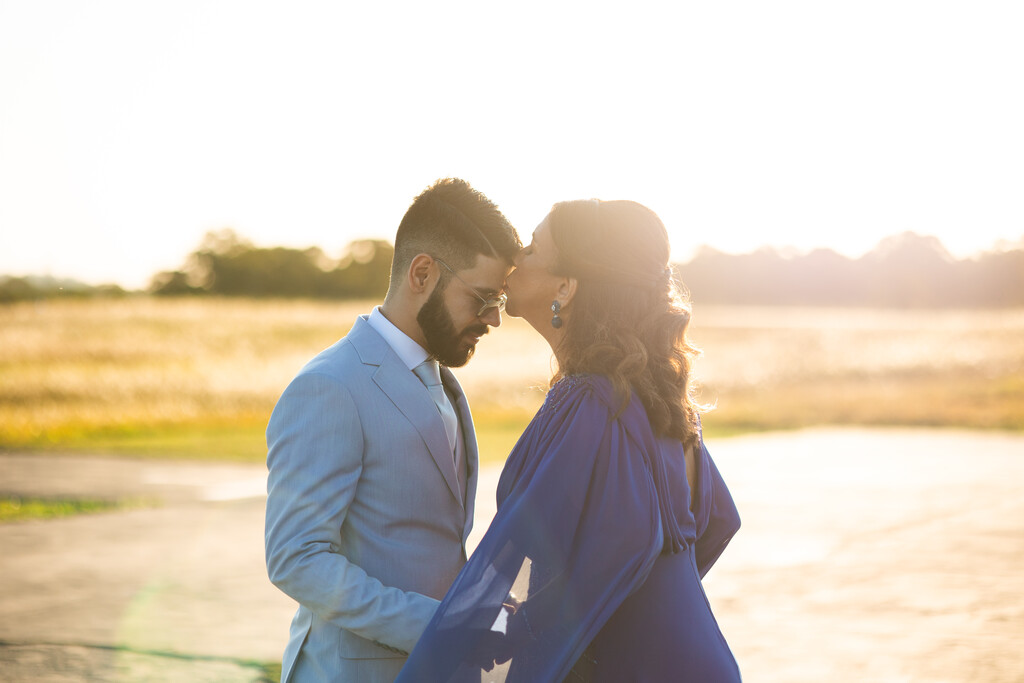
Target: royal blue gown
<point>594,558</point>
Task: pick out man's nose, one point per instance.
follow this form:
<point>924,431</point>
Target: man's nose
<point>492,317</point>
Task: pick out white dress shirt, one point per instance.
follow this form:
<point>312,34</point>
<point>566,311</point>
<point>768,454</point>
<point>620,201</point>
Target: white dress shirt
<point>411,353</point>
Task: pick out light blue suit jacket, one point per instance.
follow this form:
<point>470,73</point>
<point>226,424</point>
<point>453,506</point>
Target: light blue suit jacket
<point>366,519</point>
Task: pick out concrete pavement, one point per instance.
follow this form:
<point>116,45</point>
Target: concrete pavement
<point>882,555</point>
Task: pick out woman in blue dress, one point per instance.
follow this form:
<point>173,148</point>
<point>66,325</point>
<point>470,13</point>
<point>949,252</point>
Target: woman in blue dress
<point>610,509</point>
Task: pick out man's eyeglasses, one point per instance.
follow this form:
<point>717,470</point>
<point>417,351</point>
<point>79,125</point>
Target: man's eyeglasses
<point>496,301</point>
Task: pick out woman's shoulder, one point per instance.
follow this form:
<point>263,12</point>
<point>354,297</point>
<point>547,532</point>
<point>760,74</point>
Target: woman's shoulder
<point>576,388</point>
<point>586,389</point>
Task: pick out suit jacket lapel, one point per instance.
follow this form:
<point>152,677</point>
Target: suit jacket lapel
<point>410,397</point>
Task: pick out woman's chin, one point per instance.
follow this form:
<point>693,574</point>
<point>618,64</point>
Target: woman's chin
<point>515,314</point>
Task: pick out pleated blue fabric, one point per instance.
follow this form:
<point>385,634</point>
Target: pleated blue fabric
<point>591,569</point>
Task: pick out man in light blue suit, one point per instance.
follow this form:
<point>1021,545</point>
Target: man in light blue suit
<point>372,455</point>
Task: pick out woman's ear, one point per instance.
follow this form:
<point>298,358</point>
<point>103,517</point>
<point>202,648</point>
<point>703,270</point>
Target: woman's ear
<point>567,290</point>
<point>419,272</point>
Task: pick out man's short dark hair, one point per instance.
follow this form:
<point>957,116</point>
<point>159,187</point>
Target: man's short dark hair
<point>455,223</point>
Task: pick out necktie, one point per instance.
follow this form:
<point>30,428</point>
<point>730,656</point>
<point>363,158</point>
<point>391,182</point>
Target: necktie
<point>430,374</point>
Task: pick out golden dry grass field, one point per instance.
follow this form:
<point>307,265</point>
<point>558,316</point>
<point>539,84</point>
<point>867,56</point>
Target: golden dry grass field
<point>199,377</point>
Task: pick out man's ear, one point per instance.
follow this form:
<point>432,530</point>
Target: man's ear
<point>420,272</point>
<point>567,290</point>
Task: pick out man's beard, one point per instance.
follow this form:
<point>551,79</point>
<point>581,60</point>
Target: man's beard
<point>443,342</point>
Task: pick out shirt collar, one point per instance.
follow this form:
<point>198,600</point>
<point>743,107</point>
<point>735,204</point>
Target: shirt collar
<point>411,353</point>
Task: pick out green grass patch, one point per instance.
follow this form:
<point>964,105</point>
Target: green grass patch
<point>269,672</point>
<point>497,431</point>
<point>17,509</point>
<point>241,441</point>
<point>244,441</point>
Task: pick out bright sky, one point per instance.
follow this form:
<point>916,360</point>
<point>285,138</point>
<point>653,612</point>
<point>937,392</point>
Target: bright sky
<point>129,129</point>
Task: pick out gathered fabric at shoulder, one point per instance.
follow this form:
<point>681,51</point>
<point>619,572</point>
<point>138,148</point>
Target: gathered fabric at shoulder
<point>577,403</point>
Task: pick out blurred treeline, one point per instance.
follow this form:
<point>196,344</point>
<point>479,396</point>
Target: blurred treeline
<point>225,264</point>
<point>36,287</point>
<point>903,271</point>
<point>907,270</point>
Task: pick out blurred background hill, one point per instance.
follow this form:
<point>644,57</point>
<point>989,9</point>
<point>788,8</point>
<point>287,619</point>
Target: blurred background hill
<point>906,270</point>
<point>902,271</point>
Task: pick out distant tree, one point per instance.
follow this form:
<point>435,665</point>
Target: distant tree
<point>363,272</point>
<point>262,272</point>
<point>14,289</point>
<point>824,278</point>
<point>173,283</point>
<point>995,278</point>
<point>108,291</point>
<point>38,287</point>
<point>228,265</point>
<point>906,270</point>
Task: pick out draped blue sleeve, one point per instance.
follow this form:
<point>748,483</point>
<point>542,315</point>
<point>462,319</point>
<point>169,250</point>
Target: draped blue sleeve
<point>716,516</point>
<point>578,528</point>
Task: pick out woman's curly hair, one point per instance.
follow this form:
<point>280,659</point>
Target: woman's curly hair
<point>628,318</point>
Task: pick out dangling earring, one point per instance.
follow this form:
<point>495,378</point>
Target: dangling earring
<point>556,322</point>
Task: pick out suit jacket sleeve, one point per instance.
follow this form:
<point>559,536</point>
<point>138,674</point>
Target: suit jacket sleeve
<point>315,454</point>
